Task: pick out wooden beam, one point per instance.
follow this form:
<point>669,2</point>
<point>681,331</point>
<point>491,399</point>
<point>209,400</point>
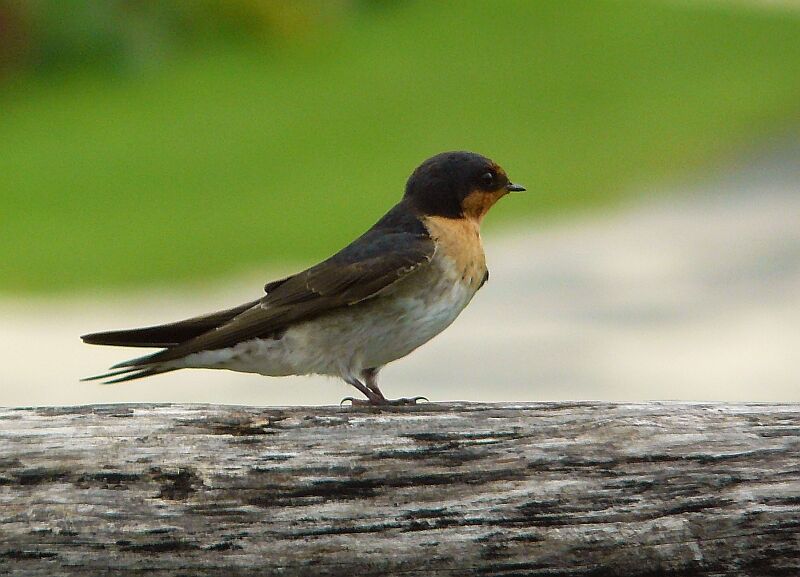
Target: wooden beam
<point>552,489</point>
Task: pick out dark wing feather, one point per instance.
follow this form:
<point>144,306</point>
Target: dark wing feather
<point>369,265</point>
<point>167,335</point>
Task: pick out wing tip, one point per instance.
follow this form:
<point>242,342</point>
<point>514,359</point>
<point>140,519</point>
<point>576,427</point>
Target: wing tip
<point>91,338</point>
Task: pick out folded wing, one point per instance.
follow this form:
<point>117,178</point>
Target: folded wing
<point>359,272</point>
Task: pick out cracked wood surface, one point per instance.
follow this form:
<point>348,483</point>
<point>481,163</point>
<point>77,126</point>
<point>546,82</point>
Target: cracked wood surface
<point>458,489</point>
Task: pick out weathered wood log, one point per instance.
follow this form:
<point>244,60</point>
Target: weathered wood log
<point>457,489</point>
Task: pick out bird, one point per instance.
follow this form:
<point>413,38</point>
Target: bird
<point>391,290</point>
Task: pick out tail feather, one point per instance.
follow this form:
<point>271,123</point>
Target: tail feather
<point>161,336</point>
<point>138,375</point>
<point>106,375</point>
<point>129,374</point>
<point>134,363</point>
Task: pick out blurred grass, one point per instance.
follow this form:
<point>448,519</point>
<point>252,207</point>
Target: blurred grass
<point>240,157</point>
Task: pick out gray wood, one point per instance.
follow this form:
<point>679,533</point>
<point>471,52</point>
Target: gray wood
<point>560,489</point>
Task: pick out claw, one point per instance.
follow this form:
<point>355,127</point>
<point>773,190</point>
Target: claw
<point>380,402</point>
<point>404,401</point>
<point>357,402</point>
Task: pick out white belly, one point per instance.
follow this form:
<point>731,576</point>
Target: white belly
<point>369,334</point>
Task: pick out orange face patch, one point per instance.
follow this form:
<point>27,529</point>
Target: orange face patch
<point>478,202</point>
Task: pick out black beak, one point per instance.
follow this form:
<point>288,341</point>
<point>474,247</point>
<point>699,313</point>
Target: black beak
<point>511,187</point>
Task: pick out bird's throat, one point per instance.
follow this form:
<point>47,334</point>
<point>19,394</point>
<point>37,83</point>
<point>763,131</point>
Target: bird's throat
<point>478,202</point>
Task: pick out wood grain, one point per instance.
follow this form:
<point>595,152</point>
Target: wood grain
<point>564,489</point>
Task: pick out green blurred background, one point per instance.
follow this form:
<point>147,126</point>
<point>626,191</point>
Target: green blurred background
<point>150,142</point>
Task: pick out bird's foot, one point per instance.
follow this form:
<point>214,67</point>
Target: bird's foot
<point>376,401</point>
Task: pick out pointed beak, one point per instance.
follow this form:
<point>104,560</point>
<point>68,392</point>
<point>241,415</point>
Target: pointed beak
<point>511,187</point>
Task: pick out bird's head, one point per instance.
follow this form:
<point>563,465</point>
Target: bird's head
<point>457,185</point>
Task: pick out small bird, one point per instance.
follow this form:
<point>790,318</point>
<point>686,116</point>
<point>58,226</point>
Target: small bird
<point>390,291</point>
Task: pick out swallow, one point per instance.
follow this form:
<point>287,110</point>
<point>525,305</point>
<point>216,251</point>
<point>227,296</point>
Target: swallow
<point>390,291</point>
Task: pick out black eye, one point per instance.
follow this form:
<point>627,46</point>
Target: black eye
<point>487,179</point>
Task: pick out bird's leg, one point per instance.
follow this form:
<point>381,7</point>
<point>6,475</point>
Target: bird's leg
<point>374,395</point>
<point>370,377</point>
<point>373,398</point>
